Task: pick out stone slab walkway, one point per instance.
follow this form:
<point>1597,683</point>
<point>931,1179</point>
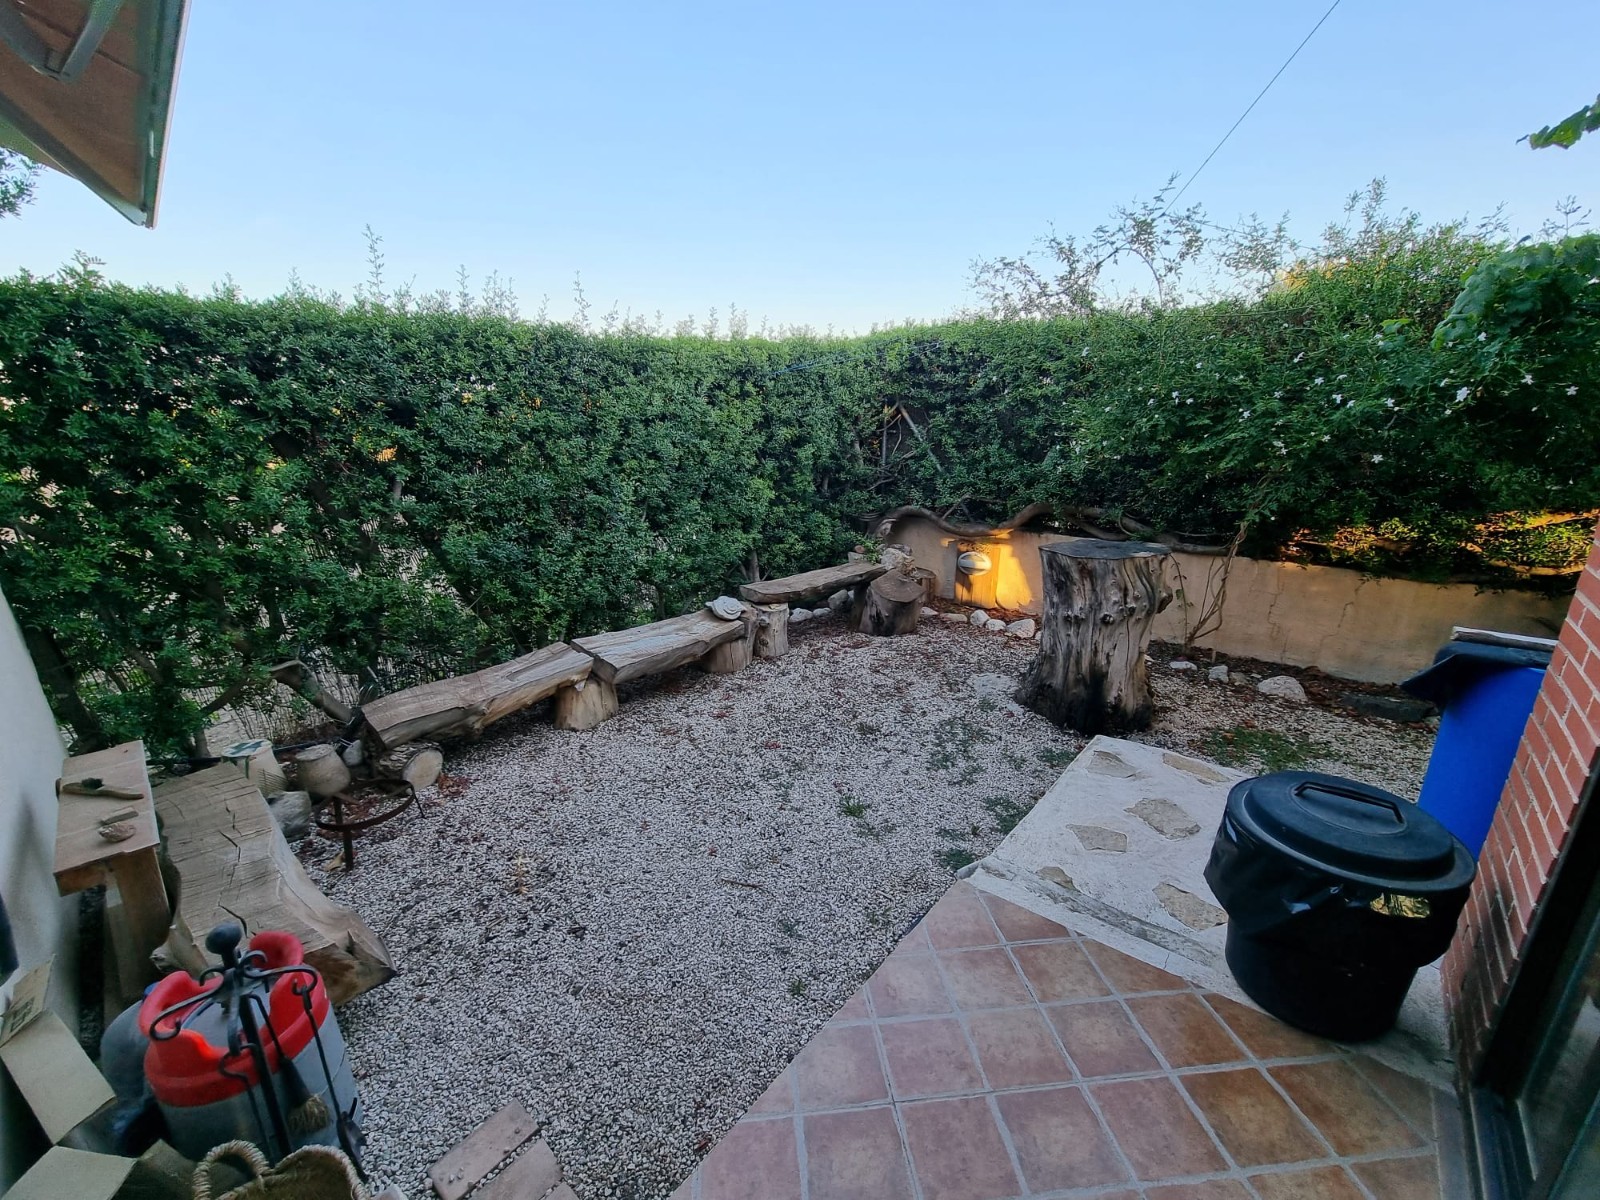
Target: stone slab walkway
<point>998,1055</point>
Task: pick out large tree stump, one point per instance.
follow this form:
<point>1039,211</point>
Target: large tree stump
<point>772,630</point>
<point>417,763</point>
<point>1100,600</point>
<point>585,704</point>
<point>890,605</point>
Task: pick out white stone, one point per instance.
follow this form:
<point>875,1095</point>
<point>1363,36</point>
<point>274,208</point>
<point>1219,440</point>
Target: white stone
<point>995,625</point>
<point>841,601</point>
<point>1023,629</point>
<point>798,616</point>
<point>1218,673</point>
<point>978,617</point>
<point>1284,687</point>
<point>928,612</point>
<point>821,614</point>
<point>292,810</point>
<point>1181,664</point>
<point>955,618</point>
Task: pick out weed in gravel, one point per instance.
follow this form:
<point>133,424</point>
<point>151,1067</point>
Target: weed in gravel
<point>798,988</point>
<point>849,806</point>
<point>953,858</point>
<point>956,740</point>
<point>1265,748</point>
<point>1006,812</point>
<point>1057,758</point>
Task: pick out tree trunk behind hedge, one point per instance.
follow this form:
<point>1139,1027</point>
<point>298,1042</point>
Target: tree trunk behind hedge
<point>1100,600</point>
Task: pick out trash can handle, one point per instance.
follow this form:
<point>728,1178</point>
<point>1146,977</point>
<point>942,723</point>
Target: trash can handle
<point>1349,793</point>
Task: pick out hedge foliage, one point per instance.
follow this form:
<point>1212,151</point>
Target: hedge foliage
<point>191,489</point>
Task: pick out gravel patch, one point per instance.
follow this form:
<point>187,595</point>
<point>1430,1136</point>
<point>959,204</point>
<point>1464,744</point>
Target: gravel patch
<point>632,930</point>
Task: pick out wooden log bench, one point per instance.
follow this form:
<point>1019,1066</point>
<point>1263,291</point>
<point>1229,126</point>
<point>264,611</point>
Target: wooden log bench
<point>464,704</point>
<point>772,598</point>
<point>716,644</point>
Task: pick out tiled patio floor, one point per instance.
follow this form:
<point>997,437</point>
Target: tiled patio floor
<point>995,1054</point>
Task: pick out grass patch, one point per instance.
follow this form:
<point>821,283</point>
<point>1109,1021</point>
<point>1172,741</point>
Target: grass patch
<point>798,988</point>
<point>849,806</point>
<point>956,741</point>
<point>1265,748</point>
<point>953,858</point>
<point>1005,812</point>
<point>1057,758</point>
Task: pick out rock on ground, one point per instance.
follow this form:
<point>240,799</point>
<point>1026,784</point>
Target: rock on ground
<point>1284,687</point>
<point>1025,628</point>
<point>978,617</point>
<point>1218,673</point>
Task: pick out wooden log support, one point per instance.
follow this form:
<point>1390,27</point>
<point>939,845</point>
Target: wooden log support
<point>585,704</point>
<point>891,604</point>
<point>463,704</point>
<point>734,654</point>
<point>772,630</point>
<point>233,864</point>
<point>822,582</point>
<point>1100,600</point>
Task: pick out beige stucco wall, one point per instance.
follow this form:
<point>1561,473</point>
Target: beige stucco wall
<point>1349,624</point>
<point>41,920</point>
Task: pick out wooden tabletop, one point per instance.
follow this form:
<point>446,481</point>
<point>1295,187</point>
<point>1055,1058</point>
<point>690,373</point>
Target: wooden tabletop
<point>82,854</point>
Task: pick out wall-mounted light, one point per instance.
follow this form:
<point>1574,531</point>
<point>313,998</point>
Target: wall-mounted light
<point>974,562</point>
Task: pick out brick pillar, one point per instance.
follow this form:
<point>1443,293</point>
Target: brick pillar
<point>1530,827</point>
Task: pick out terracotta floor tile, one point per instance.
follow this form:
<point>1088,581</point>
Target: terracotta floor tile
<point>1319,1183</point>
<point>1155,1129</point>
<point>1251,1119</point>
<point>1401,1178</point>
<point>929,1058</point>
<point>1018,924</point>
<point>1058,1140</point>
<point>909,987</point>
<point>778,1098</point>
<point>1101,1039</point>
<point>1186,1032</point>
<point>1060,971</point>
<point>1265,1036</point>
<point>855,1156</point>
<point>960,918</point>
<point>755,1158</point>
<point>1211,1189</point>
<point>914,942</point>
<point>1412,1096</point>
<point>986,978</point>
<point>1129,974</point>
<point>840,1066</point>
<point>1349,1113</point>
<point>957,1152</point>
<point>1016,1050</point>
<point>855,1008</point>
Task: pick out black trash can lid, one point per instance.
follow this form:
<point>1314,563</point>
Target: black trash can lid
<point>1459,665</point>
<point>1351,830</point>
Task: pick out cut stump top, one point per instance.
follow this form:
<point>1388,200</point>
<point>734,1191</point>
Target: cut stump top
<point>1103,548</point>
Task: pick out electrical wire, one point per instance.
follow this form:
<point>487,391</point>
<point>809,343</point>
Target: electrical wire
<point>1253,103</point>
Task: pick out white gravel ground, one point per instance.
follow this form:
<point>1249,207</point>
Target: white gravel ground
<point>632,930</point>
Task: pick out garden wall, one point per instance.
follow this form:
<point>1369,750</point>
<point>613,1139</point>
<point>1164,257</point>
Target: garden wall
<point>1349,624</point>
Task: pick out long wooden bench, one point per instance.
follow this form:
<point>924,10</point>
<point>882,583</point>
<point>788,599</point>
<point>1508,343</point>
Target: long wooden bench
<point>822,582</point>
<point>717,644</point>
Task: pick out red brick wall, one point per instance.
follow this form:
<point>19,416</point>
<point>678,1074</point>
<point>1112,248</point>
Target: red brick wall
<point>1536,809</point>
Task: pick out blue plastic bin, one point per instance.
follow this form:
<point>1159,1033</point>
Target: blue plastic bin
<point>1485,694</point>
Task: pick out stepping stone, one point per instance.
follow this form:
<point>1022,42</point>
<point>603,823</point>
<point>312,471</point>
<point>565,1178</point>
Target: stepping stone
<point>481,1151</point>
<point>1106,763</point>
<point>1056,876</point>
<point>1190,909</point>
<point>1194,767</point>
<point>1094,837</point>
<point>1165,817</point>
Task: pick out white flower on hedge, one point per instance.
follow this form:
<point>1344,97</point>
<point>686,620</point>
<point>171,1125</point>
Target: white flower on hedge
<point>1377,458</point>
<point>1336,378</point>
<point>1388,401</point>
<point>1299,356</point>
<point>1338,397</point>
<point>1317,380</point>
<point>1462,394</point>
<point>1527,378</point>
<point>1278,395</point>
<point>1572,389</point>
<point>1327,437</point>
<point>1190,400</point>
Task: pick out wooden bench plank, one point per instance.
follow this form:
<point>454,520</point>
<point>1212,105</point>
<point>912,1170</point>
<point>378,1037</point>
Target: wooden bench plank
<point>811,583</point>
<point>234,865</point>
<point>650,649</point>
<point>464,704</point>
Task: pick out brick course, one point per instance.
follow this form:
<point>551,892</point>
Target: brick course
<point>1541,796</point>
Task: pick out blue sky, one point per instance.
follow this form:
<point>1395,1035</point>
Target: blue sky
<point>825,163</point>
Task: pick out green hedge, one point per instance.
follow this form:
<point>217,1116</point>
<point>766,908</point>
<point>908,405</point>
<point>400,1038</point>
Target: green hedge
<point>191,489</point>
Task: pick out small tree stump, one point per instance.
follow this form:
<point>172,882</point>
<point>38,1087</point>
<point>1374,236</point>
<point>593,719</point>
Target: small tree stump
<point>1100,600</point>
<point>772,630</point>
<point>418,763</point>
<point>585,704</point>
<point>891,604</point>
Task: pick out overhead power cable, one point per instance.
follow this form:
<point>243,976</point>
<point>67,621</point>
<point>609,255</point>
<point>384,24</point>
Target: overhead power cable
<point>1253,103</point>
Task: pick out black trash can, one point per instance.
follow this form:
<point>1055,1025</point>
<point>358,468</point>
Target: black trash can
<point>1336,893</point>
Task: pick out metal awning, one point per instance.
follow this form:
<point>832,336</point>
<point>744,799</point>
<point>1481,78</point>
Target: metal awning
<point>86,87</point>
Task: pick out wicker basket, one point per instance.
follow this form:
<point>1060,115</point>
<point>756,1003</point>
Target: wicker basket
<point>310,1173</point>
